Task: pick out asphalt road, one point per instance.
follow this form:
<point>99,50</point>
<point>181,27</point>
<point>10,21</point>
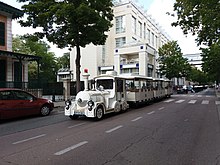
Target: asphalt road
<point>181,130</point>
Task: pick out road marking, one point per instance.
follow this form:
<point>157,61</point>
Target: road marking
<point>161,108</point>
<point>191,95</point>
<point>32,138</point>
<point>205,102</point>
<point>138,118</point>
<point>151,112</point>
<point>167,101</point>
<point>217,102</point>
<point>199,95</point>
<point>179,101</point>
<point>70,148</point>
<point>208,96</point>
<point>76,125</point>
<point>192,101</point>
<point>113,129</point>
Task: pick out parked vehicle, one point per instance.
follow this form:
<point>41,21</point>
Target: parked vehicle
<point>114,93</point>
<point>18,103</point>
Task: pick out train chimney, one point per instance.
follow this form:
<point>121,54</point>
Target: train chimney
<point>86,78</point>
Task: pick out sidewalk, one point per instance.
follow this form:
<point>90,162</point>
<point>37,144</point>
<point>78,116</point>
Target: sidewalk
<point>59,104</point>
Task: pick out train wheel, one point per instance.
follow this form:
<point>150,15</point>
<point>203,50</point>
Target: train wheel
<point>99,113</point>
<point>124,106</point>
<point>117,107</point>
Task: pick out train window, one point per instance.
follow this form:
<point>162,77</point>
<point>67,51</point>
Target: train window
<point>105,83</point>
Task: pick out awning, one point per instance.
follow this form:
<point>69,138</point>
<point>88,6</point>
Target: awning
<point>20,56</point>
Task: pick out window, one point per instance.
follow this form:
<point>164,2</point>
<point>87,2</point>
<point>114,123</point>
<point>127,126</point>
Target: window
<point>148,36</point>
<point>134,25</point>
<point>2,34</point>
<point>120,24</point>
<point>105,83</point>
<point>150,72</point>
<point>152,39</point>
<point>103,54</point>
<point>23,95</point>
<point>156,41</point>
<point>140,29</point>
<point>6,95</point>
<point>120,41</point>
<point>144,31</point>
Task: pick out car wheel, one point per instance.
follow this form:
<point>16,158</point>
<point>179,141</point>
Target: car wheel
<point>45,110</point>
<point>73,117</point>
<point>99,113</point>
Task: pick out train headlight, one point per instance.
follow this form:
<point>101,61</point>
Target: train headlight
<point>68,103</point>
<point>90,104</point>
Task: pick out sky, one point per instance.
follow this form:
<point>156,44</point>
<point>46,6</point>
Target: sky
<point>156,8</point>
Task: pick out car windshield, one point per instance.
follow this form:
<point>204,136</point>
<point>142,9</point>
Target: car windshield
<point>105,83</point>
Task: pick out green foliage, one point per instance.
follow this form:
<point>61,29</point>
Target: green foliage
<point>70,23</point>
<point>211,61</point>
<point>199,17</point>
<point>64,61</point>
<point>197,76</point>
<point>172,64</point>
<point>48,66</point>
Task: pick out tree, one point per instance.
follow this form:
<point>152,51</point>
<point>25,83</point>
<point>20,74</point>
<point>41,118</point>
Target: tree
<point>198,76</point>
<point>199,17</point>
<point>172,64</point>
<point>28,45</point>
<point>64,61</point>
<point>211,62</point>
<point>69,23</point>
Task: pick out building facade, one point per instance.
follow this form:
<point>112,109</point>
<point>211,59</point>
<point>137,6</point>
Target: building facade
<point>194,60</point>
<point>13,66</point>
<point>131,47</point>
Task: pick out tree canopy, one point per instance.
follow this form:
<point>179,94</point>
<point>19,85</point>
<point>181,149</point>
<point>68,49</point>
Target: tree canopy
<point>197,76</point>
<point>48,66</point>
<point>211,61</point>
<point>70,23</point>
<point>199,17</point>
<point>172,64</point>
<point>64,61</point>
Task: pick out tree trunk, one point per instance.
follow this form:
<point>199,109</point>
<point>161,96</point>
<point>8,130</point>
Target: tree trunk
<point>78,56</point>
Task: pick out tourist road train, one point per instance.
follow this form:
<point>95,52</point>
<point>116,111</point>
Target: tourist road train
<point>112,93</point>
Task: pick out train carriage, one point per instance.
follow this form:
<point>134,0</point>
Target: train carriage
<point>113,93</point>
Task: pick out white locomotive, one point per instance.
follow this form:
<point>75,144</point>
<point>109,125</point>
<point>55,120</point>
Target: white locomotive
<point>108,95</point>
<point>114,93</point>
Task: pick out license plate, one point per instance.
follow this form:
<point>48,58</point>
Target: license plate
<point>78,113</point>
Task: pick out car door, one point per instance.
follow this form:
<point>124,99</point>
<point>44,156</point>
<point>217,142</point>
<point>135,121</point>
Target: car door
<point>26,102</point>
<point>8,105</point>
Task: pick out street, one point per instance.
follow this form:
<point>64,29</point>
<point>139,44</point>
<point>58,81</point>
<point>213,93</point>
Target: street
<point>181,130</point>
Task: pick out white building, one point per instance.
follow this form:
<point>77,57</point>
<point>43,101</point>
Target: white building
<point>131,47</point>
<point>194,60</point>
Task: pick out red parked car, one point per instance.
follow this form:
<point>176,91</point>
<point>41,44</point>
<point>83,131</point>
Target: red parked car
<point>17,103</point>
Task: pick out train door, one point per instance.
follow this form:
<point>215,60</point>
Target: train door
<point>120,90</point>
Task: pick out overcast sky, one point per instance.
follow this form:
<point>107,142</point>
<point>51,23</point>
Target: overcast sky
<point>156,8</point>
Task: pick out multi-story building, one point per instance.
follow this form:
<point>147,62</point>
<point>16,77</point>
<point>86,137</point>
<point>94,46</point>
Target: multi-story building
<point>13,66</point>
<point>131,47</point>
<point>194,60</point>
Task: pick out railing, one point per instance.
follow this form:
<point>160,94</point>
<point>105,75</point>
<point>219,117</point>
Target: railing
<point>41,88</point>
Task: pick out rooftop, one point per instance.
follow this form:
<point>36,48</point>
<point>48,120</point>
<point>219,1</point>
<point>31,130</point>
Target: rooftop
<point>16,13</point>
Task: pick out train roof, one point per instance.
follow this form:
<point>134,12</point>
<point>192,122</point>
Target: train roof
<point>123,76</point>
